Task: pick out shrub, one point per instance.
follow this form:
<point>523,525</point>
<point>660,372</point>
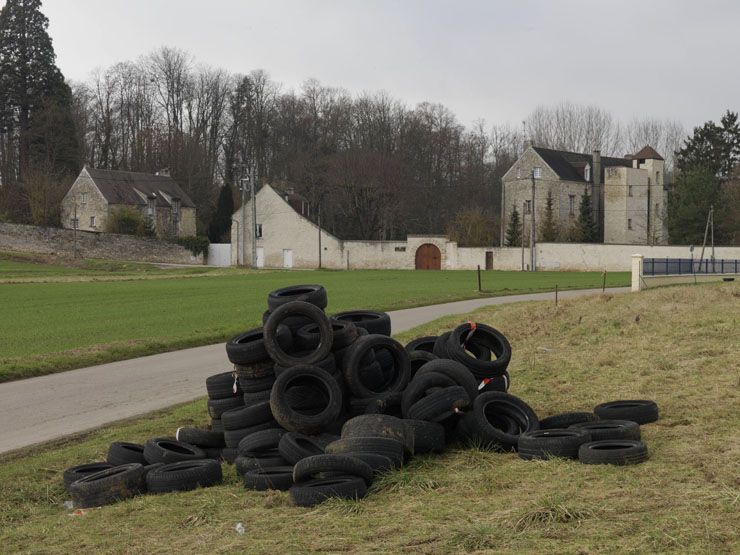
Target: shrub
<point>128,221</point>
<point>197,244</point>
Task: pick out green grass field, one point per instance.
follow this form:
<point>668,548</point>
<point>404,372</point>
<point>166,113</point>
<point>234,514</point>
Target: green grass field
<point>682,352</point>
<point>111,311</point>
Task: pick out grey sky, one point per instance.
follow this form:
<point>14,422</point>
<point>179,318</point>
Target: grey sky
<point>495,60</point>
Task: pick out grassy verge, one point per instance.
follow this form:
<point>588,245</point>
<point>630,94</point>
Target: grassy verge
<point>49,327</point>
<point>682,351</point>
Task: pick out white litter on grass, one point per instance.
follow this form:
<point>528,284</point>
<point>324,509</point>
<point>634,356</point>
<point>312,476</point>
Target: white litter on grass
<point>240,528</point>
<point>69,505</point>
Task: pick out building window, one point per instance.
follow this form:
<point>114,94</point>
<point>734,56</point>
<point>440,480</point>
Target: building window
<point>519,173</point>
<point>537,172</point>
<point>83,198</point>
<point>258,231</point>
<point>400,249</point>
<point>527,206</point>
<point>92,221</point>
<point>587,173</point>
<point>629,223</point>
<point>629,190</point>
<point>572,205</point>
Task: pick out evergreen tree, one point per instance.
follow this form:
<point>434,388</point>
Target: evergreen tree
<point>712,146</point>
<point>30,81</point>
<point>221,223</point>
<point>549,228</point>
<point>514,231</point>
<point>585,228</point>
<point>693,193</point>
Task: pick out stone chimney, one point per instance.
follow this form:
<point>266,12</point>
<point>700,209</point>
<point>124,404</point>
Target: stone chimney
<point>596,167</point>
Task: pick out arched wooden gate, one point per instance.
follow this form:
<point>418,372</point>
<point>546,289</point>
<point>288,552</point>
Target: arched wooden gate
<point>428,257</point>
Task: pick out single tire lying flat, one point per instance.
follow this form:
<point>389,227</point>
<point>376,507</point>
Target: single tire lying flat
<point>265,460</point>
<point>610,429</point>
<point>108,486</point>
<point>640,411</point>
<point>312,467</point>
<point>313,294</point>
<point>314,492</point>
<point>613,451</point>
<point>165,450</point>
<point>184,476</point>
<point>547,444</point>
<point>379,445</point>
<point>370,320</point>
<point>274,477</point>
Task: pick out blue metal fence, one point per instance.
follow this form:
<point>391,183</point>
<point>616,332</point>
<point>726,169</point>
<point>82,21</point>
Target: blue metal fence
<point>677,266</point>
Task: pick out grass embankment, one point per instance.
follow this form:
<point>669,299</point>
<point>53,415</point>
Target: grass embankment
<point>49,327</point>
<point>682,351</point>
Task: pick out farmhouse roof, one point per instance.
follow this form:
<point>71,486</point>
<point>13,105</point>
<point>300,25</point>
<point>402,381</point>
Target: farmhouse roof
<point>569,165</point>
<point>133,188</point>
<point>648,153</point>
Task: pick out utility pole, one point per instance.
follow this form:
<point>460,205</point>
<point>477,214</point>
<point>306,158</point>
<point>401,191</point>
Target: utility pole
<point>533,231</point>
<point>254,219</point>
<point>318,217</point>
<point>524,215</point>
<point>503,212</point>
<point>244,219</point>
<point>76,224</point>
<point>710,218</point>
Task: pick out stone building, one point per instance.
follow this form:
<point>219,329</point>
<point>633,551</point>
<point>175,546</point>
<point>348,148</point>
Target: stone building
<point>629,199</point>
<point>96,194</point>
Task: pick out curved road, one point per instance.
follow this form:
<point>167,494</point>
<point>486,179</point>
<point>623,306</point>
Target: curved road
<point>40,409</point>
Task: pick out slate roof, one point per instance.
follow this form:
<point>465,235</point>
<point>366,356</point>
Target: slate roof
<point>648,153</point>
<point>120,187</point>
<point>569,165</point>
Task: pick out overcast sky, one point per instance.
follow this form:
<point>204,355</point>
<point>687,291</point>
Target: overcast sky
<point>495,60</point>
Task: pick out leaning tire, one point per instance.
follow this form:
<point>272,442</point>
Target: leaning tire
<point>184,476</point>
<point>546,444</point>
<point>454,370</point>
<point>479,424</point>
<point>276,351</point>
<point>343,334</point>
<point>353,365</point>
<point>200,438</point>
<point>246,417</point>
<point>108,486</point>
<point>80,471</point>
<point>123,452</point>
<point>250,348</point>
<point>640,411</point>
<point>419,386</point>
<point>483,336</point>
<point>259,442</point>
<point>425,344</point>
<point>163,450</point>
<point>439,405</point>
<point>613,451</point>
<point>305,422</point>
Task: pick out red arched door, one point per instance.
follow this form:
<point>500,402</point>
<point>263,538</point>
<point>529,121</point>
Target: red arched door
<point>428,257</point>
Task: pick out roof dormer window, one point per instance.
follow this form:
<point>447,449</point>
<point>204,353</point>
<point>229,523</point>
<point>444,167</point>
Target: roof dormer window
<point>587,172</point>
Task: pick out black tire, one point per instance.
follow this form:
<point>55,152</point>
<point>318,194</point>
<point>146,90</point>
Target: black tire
<point>221,386</point>
<point>252,398</point>
<point>374,322</point>
<point>353,361</point>
<point>266,460</point>
<point>275,477</point>
<point>429,437</point>
<point>249,347</point>
<point>184,476</point>
<point>229,454</point>
<point>80,471</point>
<point>108,486</point>
<point>259,442</point>
<point>315,492</point>
<point>554,442</point>
<point>484,336</point>
<point>254,371</point>
<point>380,425</point>
<point>217,425</point>
<point>379,463</point>
<point>425,344</point>
<point>212,453</point>
<point>312,294</point>
<point>328,363</point>
<point>294,447</point>
<point>233,437</point>
<point>200,438</point>
<point>343,334</point>
<point>417,359</point>
<point>613,451</point>
<point>389,404</point>
<point>165,450</point>
<point>439,405</point>
<point>440,346</point>
<point>479,423</point>
<point>293,323</point>
<point>419,386</point>
<point>246,417</point>
<point>566,420</point>
<point>278,353</point>
<point>380,445</point>
<point>497,383</point>
<point>313,467</point>
<point>255,385</point>
<point>454,370</point>
<point>640,411</point>
<point>610,429</point>
<point>123,452</point>
<point>216,407</point>
<point>312,422</point>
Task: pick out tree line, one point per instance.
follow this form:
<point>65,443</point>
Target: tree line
<point>373,167</point>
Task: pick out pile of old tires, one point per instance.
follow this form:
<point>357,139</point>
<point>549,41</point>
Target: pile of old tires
<point>322,405</point>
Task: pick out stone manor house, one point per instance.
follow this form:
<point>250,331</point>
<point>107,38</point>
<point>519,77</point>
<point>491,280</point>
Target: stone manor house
<point>95,194</point>
<point>628,195</point>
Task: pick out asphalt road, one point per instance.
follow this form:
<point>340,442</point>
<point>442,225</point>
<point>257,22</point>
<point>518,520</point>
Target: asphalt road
<point>40,409</point>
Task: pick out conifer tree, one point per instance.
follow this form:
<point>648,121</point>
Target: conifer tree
<point>514,230</point>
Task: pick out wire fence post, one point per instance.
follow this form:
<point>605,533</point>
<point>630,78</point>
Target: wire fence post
<point>603,281</point>
<point>556,294</point>
<point>479,284</point>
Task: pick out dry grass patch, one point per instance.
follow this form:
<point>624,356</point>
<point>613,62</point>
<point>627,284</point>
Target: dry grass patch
<point>682,352</point>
